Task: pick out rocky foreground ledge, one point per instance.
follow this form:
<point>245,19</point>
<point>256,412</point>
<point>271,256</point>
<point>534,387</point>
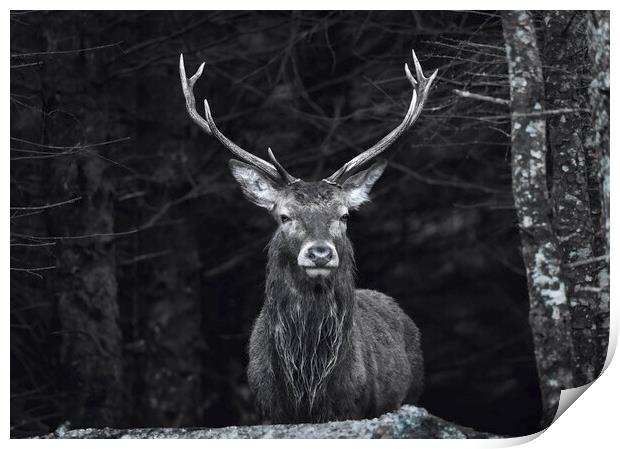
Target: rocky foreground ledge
<point>406,422</point>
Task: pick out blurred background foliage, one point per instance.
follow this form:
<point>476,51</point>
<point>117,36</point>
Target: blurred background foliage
<point>106,164</point>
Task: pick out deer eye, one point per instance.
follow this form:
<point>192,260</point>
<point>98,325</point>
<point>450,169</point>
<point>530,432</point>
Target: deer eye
<point>285,218</point>
<point>344,218</point>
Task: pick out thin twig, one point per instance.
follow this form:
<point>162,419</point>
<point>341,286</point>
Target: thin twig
<point>87,236</point>
<point>71,147</point>
<point>33,271</point>
<point>64,52</point>
<point>466,94</point>
<point>34,244</point>
<point>30,64</point>
<point>536,114</point>
<point>46,206</point>
<point>144,257</point>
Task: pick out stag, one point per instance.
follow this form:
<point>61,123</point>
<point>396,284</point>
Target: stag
<point>321,349</point>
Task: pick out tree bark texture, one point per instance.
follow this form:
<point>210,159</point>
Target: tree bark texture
<point>564,53</point>
<point>599,151</point>
<point>549,311</point>
<point>599,103</point>
<point>85,283</point>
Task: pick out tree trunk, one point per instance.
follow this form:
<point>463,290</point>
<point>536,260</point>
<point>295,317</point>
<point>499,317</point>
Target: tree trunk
<point>564,53</point>
<point>172,369</point>
<point>599,150</point>
<point>549,311</point>
<point>85,282</point>
<point>599,101</point>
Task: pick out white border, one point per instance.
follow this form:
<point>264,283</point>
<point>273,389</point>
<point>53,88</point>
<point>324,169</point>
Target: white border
<point>590,422</point>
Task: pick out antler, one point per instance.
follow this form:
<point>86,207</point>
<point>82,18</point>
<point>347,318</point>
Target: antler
<point>276,172</point>
<point>421,88</point>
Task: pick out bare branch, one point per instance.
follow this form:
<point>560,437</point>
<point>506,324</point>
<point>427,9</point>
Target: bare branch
<point>64,52</point>
<point>34,271</point>
<point>466,94</point>
<point>47,206</point>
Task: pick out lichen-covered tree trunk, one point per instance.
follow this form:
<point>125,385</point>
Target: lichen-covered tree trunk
<point>599,153</point>
<point>549,312</point>
<point>84,283</point>
<point>564,53</point>
<point>599,101</point>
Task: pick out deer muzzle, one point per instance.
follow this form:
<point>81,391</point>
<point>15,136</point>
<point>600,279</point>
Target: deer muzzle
<point>318,258</point>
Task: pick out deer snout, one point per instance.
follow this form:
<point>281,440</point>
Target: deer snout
<point>318,256</point>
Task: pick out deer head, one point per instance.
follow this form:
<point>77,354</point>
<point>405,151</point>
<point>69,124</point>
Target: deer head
<point>311,216</point>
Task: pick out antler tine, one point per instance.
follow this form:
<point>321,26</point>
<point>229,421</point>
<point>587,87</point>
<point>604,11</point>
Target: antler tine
<point>188,93</point>
<point>421,88</point>
<point>277,172</point>
<point>283,173</point>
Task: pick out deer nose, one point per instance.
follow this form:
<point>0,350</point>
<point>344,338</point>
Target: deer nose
<point>320,255</point>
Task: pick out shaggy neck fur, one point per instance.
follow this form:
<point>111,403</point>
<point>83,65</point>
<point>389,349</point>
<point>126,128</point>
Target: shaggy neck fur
<point>309,324</point>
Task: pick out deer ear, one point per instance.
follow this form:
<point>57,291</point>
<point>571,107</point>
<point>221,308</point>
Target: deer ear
<point>257,187</point>
<point>358,186</point>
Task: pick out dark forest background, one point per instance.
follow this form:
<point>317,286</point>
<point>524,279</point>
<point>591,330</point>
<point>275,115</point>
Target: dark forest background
<point>137,268</point>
